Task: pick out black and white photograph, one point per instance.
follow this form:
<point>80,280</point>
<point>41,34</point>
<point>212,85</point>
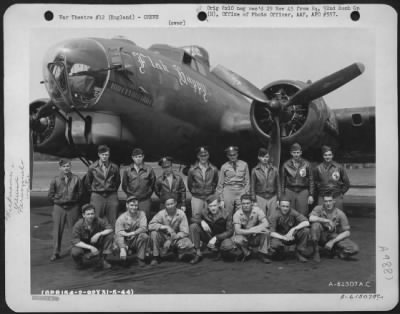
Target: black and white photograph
<point>202,162</point>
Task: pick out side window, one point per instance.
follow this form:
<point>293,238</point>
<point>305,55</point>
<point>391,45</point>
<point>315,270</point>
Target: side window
<point>193,65</point>
<point>202,69</point>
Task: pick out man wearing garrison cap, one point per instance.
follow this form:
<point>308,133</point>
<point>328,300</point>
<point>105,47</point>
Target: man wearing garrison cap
<point>202,180</point>
<point>264,183</point>
<point>131,231</point>
<point>65,193</point>
<point>234,180</point>
<point>331,177</point>
<point>138,179</point>
<point>298,180</point>
<point>103,180</point>
<point>170,183</point>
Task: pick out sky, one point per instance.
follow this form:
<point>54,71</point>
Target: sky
<point>261,55</point>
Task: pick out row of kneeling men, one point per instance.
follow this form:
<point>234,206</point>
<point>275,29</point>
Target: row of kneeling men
<point>247,233</point>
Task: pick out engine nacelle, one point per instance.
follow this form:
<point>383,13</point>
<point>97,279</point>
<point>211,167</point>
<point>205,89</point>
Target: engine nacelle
<point>310,124</point>
<point>48,130</point>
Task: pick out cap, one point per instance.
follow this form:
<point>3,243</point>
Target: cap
<point>62,162</point>
<point>169,196</point>
<point>262,152</point>
<point>202,151</point>
<point>231,149</point>
<point>137,151</point>
<point>87,207</point>
<point>284,198</point>
<point>103,149</point>
<point>131,198</point>
<point>246,197</point>
<point>295,147</point>
<point>165,162</point>
<point>326,148</point>
<point>211,198</point>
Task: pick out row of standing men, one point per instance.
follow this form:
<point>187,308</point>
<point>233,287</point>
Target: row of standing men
<point>297,181</point>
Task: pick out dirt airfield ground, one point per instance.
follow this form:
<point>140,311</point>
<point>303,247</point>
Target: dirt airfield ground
<point>208,277</point>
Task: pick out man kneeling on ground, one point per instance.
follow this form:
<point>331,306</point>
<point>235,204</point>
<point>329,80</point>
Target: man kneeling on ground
<point>170,230</point>
<point>130,231</point>
<point>91,237</point>
<point>213,227</point>
<point>289,227</point>
<point>251,229</point>
<point>330,228</point>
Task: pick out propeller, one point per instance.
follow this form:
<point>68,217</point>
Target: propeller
<point>274,146</point>
<point>326,85</point>
<point>37,123</point>
<point>286,110</point>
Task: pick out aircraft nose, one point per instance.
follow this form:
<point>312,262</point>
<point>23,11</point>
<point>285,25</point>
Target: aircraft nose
<point>75,73</point>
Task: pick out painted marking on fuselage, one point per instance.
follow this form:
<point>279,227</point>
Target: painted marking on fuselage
<point>184,79</point>
<point>136,95</point>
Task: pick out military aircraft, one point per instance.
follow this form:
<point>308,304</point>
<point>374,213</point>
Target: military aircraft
<point>169,101</point>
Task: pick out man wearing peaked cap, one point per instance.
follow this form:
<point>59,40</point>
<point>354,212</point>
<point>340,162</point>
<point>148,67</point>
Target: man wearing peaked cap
<point>331,177</point>
<point>298,180</point>
<point>103,180</point>
<point>65,193</point>
<point>202,181</point>
<point>170,183</point>
<point>234,180</point>
<point>138,179</point>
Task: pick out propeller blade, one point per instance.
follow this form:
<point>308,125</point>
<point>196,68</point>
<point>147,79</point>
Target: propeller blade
<point>239,83</point>
<point>327,84</point>
<point>275,143</point>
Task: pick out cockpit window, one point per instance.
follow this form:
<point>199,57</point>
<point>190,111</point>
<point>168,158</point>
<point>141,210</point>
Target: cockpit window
<point>76,72</point>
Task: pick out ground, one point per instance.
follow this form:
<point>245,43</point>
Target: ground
<point>208,277</point>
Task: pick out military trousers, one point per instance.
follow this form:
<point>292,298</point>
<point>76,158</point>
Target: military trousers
<point>302,239</point>
<point>137,243</point>
<point>321,235</point>
<point>106,205</point>
<point>268,206</point>
<point>299,200</point>
<point>104,244</point>
<point>63,215</point>
<point>246,242</point>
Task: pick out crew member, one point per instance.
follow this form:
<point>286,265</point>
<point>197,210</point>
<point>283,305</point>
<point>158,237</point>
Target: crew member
<point>91,238</point>
<point>264,183</point>
<point>251,229</point>
<point>103,180</point>
<point>170,183</point>
<point>289,227</point>
<point>213,227</point>
<point>130,231</point>
<point>138,180</point>
<point>330,228</point>
<point>202,180</point>
<point>169,230</point>
<point>234,180</point>
<point>330,177</point>
<point>65,193</point>
<point>298,181</point>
